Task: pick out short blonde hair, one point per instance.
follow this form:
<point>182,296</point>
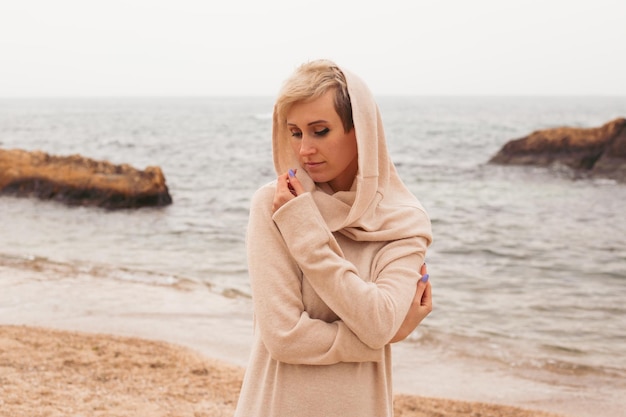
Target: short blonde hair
<point>309,82</point>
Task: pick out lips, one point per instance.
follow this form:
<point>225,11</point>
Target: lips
<point>313,165</point>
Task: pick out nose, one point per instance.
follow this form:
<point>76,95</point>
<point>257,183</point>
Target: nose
<point>307,146</point>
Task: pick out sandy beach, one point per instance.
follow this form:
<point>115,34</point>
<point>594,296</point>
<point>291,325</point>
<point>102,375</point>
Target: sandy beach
<point>52,373</point>
<point>86,346</point>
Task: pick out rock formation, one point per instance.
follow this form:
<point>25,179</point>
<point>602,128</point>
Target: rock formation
<point>598,152</point>
<point>76,180</point>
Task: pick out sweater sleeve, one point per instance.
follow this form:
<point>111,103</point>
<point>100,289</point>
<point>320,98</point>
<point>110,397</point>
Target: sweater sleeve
<point>287,331</point>
<point>374,310</point>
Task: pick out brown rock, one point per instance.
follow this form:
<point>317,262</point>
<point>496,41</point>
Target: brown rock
<point>597,151</point>
<point>76,180</point>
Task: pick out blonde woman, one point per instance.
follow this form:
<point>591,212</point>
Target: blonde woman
<point>336,248</point>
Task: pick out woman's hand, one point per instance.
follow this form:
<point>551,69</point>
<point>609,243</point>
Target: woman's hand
<point>421,306</point>
<point>288,187</point>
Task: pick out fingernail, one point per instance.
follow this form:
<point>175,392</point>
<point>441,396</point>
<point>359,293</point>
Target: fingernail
<point>291,173</point>
<point>425,278</point>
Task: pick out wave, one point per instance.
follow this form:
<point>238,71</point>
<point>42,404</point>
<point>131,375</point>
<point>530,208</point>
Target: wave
<point>55,270</point>
<point>515,355</point>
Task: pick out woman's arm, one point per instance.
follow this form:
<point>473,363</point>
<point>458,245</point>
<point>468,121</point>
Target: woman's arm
<point>374,311</point>
<point>421,306</point>
<point>287,331</point>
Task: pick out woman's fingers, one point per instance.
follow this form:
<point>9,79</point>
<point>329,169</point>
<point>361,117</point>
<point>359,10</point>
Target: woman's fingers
<point>287,188</point>
<point>427,298</point>
<point>424,290</point>
<point>294,182</point>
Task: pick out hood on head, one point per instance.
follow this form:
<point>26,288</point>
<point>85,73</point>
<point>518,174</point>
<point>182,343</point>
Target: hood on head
<point>374,207</point>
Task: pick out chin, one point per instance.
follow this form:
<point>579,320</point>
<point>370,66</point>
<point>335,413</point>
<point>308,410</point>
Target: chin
<point>318,178</point>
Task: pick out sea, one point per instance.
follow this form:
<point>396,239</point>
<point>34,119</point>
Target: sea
<point>528,264</point>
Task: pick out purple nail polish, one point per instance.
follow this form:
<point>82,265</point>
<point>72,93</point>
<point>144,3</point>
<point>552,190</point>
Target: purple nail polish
<point>425,278</point>
<point>291,173</point>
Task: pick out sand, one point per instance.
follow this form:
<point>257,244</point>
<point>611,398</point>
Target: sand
<point>45,372</point>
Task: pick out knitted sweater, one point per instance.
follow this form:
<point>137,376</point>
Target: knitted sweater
<point>332,277</point>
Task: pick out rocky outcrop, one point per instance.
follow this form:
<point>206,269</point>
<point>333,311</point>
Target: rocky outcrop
<point>598,152</point>
<point>76,180</point>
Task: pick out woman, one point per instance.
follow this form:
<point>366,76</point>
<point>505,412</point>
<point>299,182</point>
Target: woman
<point>335,246</point>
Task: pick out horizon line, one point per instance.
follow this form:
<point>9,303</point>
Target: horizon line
<point>381,95</point>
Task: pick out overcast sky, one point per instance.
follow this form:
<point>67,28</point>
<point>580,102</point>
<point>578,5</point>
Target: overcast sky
<point>247,47</point>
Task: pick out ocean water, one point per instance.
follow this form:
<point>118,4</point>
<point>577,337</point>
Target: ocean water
<point>528,264</point>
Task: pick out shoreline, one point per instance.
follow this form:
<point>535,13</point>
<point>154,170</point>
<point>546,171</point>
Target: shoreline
<point>193,318</point>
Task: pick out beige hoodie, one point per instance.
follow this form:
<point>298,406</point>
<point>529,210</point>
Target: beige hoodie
<point>332,277</point>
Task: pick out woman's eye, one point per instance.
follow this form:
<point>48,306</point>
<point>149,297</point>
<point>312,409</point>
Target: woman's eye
<point>322,132</point>
<point>296,133</point>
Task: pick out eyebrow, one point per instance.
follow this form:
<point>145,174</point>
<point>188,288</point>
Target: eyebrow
<point>309,124</point>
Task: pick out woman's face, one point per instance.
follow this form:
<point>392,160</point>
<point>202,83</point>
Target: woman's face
<point>324,150</point>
